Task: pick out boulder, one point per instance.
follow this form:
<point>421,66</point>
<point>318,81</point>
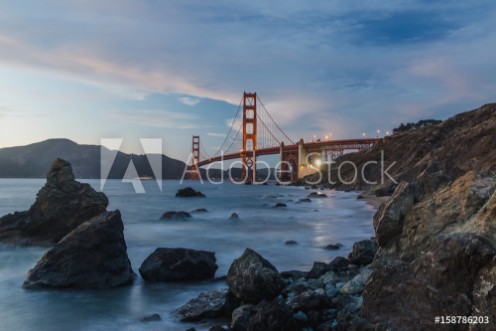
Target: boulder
<point>291,242</point>
<point>178,215</point>
<point>200,210</point>
<point>61,205</point>
<point>91,256</point>
<point>151,318</point>
<point>251,278</point>
<point>304,200</point>
<point>363,252</point>
<point>178,264</point>
<point>241,317</point>
<point>234,217</point>
<point>189,192</point>
<point>357,283</point>
<point>334,247</point>
<point>272,316</point>
<point>279,205</point>
<point>206,305</point>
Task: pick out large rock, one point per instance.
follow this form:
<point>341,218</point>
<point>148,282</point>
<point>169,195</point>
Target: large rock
<point>206,305</point>
<point>91,256</point>
<point>251,278</point>
<point>178,264</point>
<point>189,192</point>
<point>272,316</point>
<point>60,207</point>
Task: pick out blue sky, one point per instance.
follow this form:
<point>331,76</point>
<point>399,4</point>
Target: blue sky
<point>86,70</point>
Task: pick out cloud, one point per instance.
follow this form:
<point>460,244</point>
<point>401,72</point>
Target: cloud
<point>157,118</point>
<point>217,135</point>
<point>189,101</point>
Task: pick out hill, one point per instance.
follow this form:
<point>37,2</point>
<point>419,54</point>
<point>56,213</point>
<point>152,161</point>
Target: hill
<point>32,161</point>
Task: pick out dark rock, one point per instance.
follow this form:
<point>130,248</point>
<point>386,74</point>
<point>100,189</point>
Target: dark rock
<point>231,303</point>
<point>234,217</point>
<point>339,264</point>
<point>91,256</point>
<point>334,247</point>
<point>252,278</point>
<point>179,215</point>
<point>151,318</point>
<point>191,329</point>
<point>385,191</point>
<point>206,305</point>
<point>61,205</point>
<point>241,317</point>
<point>305,200</point>
<point>294,274</point>
<point>189,192</point>
<point>178,264</point>
<point>317,195</point>
<point>279,205</point>
<point>291,242</point>
<point>200,210</point>
<point>272,317</point>
<point>218,328</point>
<point>363,252</point>
<point>357,283</point>
<point>300,317</point>
<point>360,197</point>
<point>309,300</point>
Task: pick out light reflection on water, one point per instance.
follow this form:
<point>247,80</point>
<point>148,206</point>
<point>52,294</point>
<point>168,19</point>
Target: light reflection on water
<point>340,218</point>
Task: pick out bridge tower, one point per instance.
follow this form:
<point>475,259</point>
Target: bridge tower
<point>195,152</point>
<point>248,153</point>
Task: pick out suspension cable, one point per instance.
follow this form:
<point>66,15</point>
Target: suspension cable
<point>285,135</point>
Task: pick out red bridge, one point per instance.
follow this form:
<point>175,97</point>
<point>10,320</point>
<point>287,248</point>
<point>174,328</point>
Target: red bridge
<point>259,134</point>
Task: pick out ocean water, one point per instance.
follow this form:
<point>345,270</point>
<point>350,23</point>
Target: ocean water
<point>338,218</point>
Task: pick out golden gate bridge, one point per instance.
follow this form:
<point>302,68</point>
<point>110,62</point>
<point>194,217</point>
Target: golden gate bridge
<point>259,134</point>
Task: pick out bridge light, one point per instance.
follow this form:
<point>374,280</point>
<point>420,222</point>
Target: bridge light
<point>363,134</point>
<point>318,162</point>
<point>327,137</point>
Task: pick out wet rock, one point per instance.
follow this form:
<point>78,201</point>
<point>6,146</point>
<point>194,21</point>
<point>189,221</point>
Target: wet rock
<point>300,317</point>
<point>151,318</point>
<point>178,215</point>
<point>385,191</point>
<point>317,195</point>
<point>206,305</point>
<point>272,317</point>
<point>178,264</point>
<point>231,303</point>
<point>291,242</point>
<point>320,268</point>
<point>234,217</point>
<point>200,210</point>
<point>188,192</point>
<point>279,205</point>
<point>252,278</point>
<point>304,200</point>
<point>309,300</point>
<point>61,205</point>
<point>241,317</point>
<point>219,328</point>
<point>293,274</point>
<point>334,247</point>
<point>363,252</point>
<point>360,197</point>
<point>91,256</point>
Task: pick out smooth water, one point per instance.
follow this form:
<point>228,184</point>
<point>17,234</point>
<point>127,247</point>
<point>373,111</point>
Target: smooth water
<point>339,218</point>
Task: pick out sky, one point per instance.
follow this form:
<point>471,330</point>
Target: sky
<point>87,70</point>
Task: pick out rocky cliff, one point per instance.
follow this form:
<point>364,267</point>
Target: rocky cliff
<point>436,234</point>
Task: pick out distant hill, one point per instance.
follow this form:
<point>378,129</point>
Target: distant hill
<point>34,160</point>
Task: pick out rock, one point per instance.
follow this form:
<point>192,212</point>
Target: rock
<point>206,305</point>
<point>252,278</point>
<point>61,205</point>
<point>385,191</point>
<point>218,328</point>
<point>334,247</point>
<point>188,192</point>
<point>272,317</point>
<point>179,215</point>
<point>191,329</point>
<point>357,283</point>
<point>309,300</point>
<point>91,256</point>
<point>317,195</point>
<point>178,264</point>
<point>231,303</point>
<point>279,205</point>
<point>151,318</point>
<point>291,242</point>
<point>300,317</point>
<point>234,217</point>
<point>363,252</point>
<point>388,220</point>
<point>200,210</point>
<point>241,317</point>
<point>293,274</point>
<point>360,197</point>
<point>305,200</point>
<point>320,268</point>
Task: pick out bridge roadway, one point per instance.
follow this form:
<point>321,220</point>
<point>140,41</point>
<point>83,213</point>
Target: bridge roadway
<point>309,147</point>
